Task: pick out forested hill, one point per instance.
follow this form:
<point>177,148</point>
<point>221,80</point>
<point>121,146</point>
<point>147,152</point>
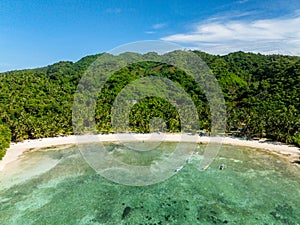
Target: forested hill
<point>261,92</point>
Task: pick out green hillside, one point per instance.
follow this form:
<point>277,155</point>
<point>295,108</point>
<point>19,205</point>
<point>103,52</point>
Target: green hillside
<point>261,93</point>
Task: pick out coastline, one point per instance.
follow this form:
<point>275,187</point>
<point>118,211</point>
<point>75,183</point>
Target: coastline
<point>288,152</point>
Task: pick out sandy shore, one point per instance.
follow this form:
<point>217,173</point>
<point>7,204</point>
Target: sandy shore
<point>291,153</point>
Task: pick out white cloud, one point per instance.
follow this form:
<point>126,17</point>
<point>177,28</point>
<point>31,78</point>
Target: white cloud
<point>114,10</point>
<point>150,32</point>
<point>5,66</point>
<point>233,15</point>
<point>158,26</point>
<point>264,36</point>
<point>242,1</point>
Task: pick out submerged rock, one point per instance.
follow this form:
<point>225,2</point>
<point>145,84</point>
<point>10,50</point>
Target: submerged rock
<point>126,212</point>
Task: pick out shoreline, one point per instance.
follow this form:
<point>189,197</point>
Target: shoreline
<point>288,152</point>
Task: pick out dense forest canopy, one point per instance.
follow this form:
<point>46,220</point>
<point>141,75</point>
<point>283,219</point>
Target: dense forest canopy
<point>261,94</point>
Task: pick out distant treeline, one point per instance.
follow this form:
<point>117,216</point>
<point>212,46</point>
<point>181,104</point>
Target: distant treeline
<point>262,94</point>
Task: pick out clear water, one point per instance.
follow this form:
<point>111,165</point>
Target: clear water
<point>56,186</point>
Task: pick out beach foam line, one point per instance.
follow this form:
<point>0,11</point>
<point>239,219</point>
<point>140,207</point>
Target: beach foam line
<point>15,150</point>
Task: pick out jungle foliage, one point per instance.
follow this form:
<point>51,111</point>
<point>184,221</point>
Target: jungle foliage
<point>261,93</point>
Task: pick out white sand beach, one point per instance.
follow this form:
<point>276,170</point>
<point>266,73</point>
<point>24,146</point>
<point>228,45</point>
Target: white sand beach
<point>291,153</point>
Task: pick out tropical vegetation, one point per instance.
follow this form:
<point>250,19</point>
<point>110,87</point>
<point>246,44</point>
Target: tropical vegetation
<point>261,94</point>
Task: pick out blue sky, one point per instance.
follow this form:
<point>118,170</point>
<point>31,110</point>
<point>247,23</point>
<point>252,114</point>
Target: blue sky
<point>38,33</point>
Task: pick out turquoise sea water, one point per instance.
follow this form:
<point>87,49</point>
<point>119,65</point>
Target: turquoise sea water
<point>56,186</point>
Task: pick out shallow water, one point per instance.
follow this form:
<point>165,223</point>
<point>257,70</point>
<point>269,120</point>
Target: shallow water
<point>56,186</point>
